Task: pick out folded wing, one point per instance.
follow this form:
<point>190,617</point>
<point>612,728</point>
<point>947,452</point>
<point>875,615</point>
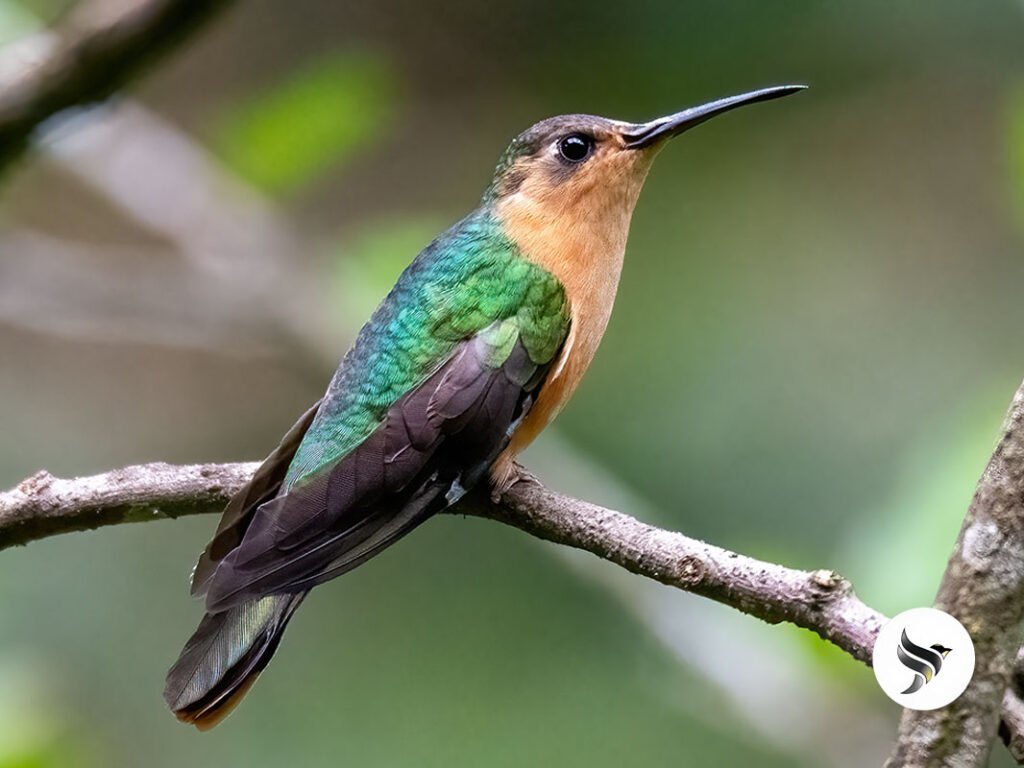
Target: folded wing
<point>433,444</point>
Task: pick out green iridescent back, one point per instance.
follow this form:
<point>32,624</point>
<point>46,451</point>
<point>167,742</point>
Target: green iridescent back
<point>464,281</point>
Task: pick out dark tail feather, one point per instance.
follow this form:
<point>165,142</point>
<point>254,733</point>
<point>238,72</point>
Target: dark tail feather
<point>224,657</point>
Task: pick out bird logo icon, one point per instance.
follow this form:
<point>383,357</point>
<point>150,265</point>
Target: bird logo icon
<point>925,663</point>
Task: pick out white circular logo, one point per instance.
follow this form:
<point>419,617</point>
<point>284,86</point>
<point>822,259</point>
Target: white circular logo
<point>923,658</point>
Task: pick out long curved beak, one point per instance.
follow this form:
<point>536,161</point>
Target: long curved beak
<point>646,134</point>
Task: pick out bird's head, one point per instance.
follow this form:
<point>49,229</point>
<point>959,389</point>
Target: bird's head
<point>578,171</point>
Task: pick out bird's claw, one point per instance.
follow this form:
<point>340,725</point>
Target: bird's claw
<point>514,473</point>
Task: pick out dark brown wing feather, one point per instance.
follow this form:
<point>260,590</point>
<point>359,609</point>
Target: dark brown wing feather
<point>433,444</point>
<point>238,513</point>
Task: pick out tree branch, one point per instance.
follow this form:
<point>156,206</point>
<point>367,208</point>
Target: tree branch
<point>1011,727</point>
<point>822,601</point>
<point>983,587</point>
<point>43,505</point>
<point>98,48</point>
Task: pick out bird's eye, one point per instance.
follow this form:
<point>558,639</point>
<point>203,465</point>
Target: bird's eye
<point>576,147</point>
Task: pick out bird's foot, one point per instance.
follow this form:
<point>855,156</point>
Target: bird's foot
<point>506,476</point>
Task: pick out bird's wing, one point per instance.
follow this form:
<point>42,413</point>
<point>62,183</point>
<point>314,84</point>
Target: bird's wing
<point>434,443</point>
<point>238,513</point>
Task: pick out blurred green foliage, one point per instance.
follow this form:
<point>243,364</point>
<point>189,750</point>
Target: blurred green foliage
<point>33,734</point>
<point>366,265</point>
<point>1015,148</point>
<point>15,22</point>
<point>310,123</point>
<point>918,521</point>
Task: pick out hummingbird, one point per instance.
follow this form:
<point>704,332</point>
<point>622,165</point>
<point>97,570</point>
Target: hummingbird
<point>480,343</point>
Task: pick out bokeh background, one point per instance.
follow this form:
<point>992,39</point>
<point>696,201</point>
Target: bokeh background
<point>817,333</point>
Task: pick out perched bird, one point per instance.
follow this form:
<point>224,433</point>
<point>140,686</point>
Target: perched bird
<point>480,343</point>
